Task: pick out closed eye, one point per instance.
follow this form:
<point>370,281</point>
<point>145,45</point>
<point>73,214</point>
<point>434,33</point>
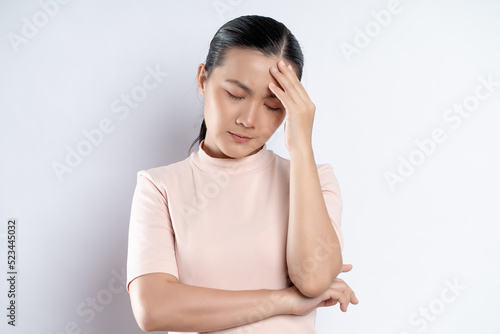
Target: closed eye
<point>234,97</point>
<point>273,109</point>
<point>241,98</point>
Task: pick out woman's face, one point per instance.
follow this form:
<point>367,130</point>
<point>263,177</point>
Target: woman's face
<point>246,75</point>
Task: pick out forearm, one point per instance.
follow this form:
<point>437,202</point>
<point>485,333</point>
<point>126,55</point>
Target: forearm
<point>180,307</point>
<point>313,250</point>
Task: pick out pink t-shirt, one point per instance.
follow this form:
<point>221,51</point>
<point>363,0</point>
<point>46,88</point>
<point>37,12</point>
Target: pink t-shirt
<point>222,223</point>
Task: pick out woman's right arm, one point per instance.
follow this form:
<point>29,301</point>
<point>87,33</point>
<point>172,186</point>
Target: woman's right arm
<point>160,303</point>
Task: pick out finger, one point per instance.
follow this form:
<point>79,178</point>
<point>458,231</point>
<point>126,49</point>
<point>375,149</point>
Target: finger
<point>282,96</point>
<point>288,68</point>
<point>354,299</point>
<point>340,295</point>
<point>347,294</point>
<point>293,96</point>
<point>332,302</point>
<point>285,84</point>
<point>327,303</point>
<point>346,268</point>
<point>344,302</point>
<point>283,76</point>
<point>340,285</point>
<point>290,74</point>
<point>338,282</point>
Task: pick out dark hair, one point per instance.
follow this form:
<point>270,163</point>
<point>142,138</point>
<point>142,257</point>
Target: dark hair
<point>255,32</point>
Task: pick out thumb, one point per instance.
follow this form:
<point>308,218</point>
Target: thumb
<point>346,268</point>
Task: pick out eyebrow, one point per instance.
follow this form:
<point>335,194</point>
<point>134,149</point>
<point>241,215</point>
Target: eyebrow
<point>248,89</point>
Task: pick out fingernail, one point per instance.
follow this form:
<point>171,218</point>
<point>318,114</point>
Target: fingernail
<point>282,63</point>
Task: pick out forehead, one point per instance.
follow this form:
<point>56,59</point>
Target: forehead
<point>247,63</point>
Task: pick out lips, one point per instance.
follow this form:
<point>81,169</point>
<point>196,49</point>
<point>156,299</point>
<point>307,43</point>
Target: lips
<point>240,135</point>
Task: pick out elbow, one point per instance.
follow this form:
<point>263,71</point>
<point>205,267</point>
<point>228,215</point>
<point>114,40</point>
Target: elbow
<point>314,285</point>
<point>144,318</point>
<point>313,288</point>
<point>151,311</point>
<point>146,314</point>
<point>309,285</point>
<point>148,320</point>
<point>151,318</point>
<point>145,326</point>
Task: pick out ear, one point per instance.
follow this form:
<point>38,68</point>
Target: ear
<point>201,78</point>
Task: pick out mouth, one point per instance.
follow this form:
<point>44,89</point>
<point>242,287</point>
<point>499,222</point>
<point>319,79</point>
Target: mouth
<point>241,136</point>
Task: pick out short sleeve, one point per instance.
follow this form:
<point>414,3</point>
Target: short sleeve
<point>151,239</point>
<point>333,199</point>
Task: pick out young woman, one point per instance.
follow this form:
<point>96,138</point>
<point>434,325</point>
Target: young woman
<point>236,239</point>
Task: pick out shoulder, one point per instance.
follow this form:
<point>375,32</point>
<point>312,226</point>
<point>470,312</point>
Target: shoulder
<point>162,171</point>
<point>328,178</point>
<point>326,167</point>
<point>325,171</point>
<point>161,176</point>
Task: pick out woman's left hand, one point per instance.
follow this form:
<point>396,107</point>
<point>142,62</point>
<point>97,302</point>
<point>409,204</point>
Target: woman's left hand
<point>299,107</point>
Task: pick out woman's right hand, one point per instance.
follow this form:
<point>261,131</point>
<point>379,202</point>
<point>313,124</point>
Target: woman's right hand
<point>338,291</point>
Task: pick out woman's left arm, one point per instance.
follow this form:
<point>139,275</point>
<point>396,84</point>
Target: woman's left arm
<point>312,267</point>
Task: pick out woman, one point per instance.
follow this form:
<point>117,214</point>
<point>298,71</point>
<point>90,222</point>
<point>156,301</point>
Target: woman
<point>236,239</point>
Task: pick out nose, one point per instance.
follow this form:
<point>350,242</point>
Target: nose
<point>248,114</point>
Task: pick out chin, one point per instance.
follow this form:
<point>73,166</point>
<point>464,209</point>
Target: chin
<point>237,150</point>
<point>240,152</point>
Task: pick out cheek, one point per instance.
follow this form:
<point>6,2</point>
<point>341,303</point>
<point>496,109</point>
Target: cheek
<point>221,107</point>
<point>279,117</point>
<point>216,109</point>
<point>272,122</point>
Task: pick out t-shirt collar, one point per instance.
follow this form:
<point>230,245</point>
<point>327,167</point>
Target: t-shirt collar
<point>254,162</point>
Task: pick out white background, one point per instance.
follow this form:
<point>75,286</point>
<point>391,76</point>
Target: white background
<point>437,224</point>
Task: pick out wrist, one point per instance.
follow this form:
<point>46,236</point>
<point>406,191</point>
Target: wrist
<point>280,301</point>
<point>301,153</point>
